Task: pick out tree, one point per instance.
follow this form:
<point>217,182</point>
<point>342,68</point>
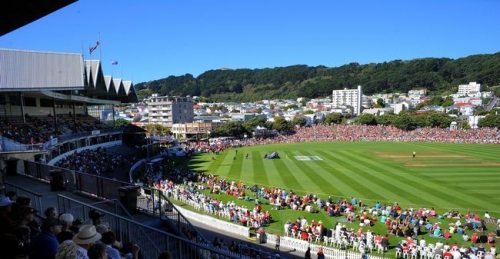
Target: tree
<point>333,117</point>
<point>464,125</point>
<point>404,121</point>
<point>366,119</point>
<point>380,103</point>
<point>386,119</point>
<point>309,112</point>
<point>448,101</point>
<point>252,123</point>
<point>480,111</point>
<point>280,124</point>
<point>436,100</point>
<point>121,123</point>
<point>438,119</point>
<point>490,121</point>
<point>230,129</point>
<point>299,120</point>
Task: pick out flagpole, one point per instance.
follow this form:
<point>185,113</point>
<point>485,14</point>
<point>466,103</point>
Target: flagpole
<point>100,48</point>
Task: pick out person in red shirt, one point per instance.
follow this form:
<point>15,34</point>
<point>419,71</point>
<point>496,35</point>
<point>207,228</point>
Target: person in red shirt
<point>474,238</point>
<point>447,254</point>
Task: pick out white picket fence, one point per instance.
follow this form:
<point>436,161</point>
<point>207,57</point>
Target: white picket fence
<point>301,246</point>
<point>285,242</point>
<point>215,223</point>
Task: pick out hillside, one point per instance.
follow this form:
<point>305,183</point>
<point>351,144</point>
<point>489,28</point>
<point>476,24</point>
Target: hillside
<point>435,74</point>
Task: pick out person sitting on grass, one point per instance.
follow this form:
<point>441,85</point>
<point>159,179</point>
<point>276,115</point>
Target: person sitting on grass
<point>437,232</point>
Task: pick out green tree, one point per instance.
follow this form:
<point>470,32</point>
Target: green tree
<point>121,122</point>
<point>448,101</point>
<point>490,121</point>
<point>497,91</point>
<point>366,119</point>
<point>464,125</point>
<point>299,120</point>
<point>480,111</point>
<point>309,112</point>
<point>230,129</point>
<point>333,117</point>
<point>386,119</point>
<point>280,124</point>
<point>380,103</point>
<point>438,119</point>
<point>404,121</point>
<point>436,100</point>
<point>252,123</point>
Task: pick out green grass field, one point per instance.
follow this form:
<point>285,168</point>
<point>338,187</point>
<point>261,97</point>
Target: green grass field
<point>444,176</point>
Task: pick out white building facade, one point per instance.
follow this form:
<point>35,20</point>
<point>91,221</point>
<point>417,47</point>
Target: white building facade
<point>348,97</point>
<point>470,89</point>
<point>168,110</point>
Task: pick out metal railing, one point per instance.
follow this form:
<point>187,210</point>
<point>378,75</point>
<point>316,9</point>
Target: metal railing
<point>151,241</point>
<point>36,198</point>
<point>152,201</point>
<point>71,180</point>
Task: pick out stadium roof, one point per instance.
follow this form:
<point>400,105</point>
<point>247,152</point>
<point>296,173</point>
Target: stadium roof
<point>18,13</point>
<point>22,70</point>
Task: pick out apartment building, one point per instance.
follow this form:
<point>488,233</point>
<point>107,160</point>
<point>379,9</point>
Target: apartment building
<point>169,110</point>
<point>348,97</point>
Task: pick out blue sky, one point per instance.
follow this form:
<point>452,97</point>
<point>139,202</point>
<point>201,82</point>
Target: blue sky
<point>155,39</point>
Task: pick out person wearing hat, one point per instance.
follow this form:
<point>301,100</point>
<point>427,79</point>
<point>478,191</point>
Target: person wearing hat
<point>86,237</point>
<point>45,244</point>
<point>67,221</point>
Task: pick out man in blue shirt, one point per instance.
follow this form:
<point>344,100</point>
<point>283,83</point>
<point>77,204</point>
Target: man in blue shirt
<point>44,246</point>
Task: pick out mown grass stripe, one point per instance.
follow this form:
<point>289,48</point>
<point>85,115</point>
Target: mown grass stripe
<point>337,185</point>
<point>287,176</point>
<point>227,162</point>
<point>349,178</point>
<point>298,173</point>
<point>338,173</point>
<point>259,173</point>
<point>272,172</point>
<point>216,164</point>
<point>398,191</point>
<point>449,197</point>
<point>247,169</point>
<point>311,174</point>
<point>236,166</point>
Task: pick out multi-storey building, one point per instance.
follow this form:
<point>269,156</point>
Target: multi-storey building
<point>194,129</point>
<point>348,97</point>
<point>470,89</point>
<point>168,110</point>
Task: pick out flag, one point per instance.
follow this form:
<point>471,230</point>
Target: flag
<point>114,63</point>
<point>92,48</point>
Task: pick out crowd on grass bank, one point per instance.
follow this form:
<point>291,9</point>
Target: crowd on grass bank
<point>410,225</point>
<point>342,132</point>
<point>391,133</point>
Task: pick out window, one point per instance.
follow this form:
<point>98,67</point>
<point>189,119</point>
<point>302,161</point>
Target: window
<point>15,100</point>
<point>46,103</point>
<point>30,101</point>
